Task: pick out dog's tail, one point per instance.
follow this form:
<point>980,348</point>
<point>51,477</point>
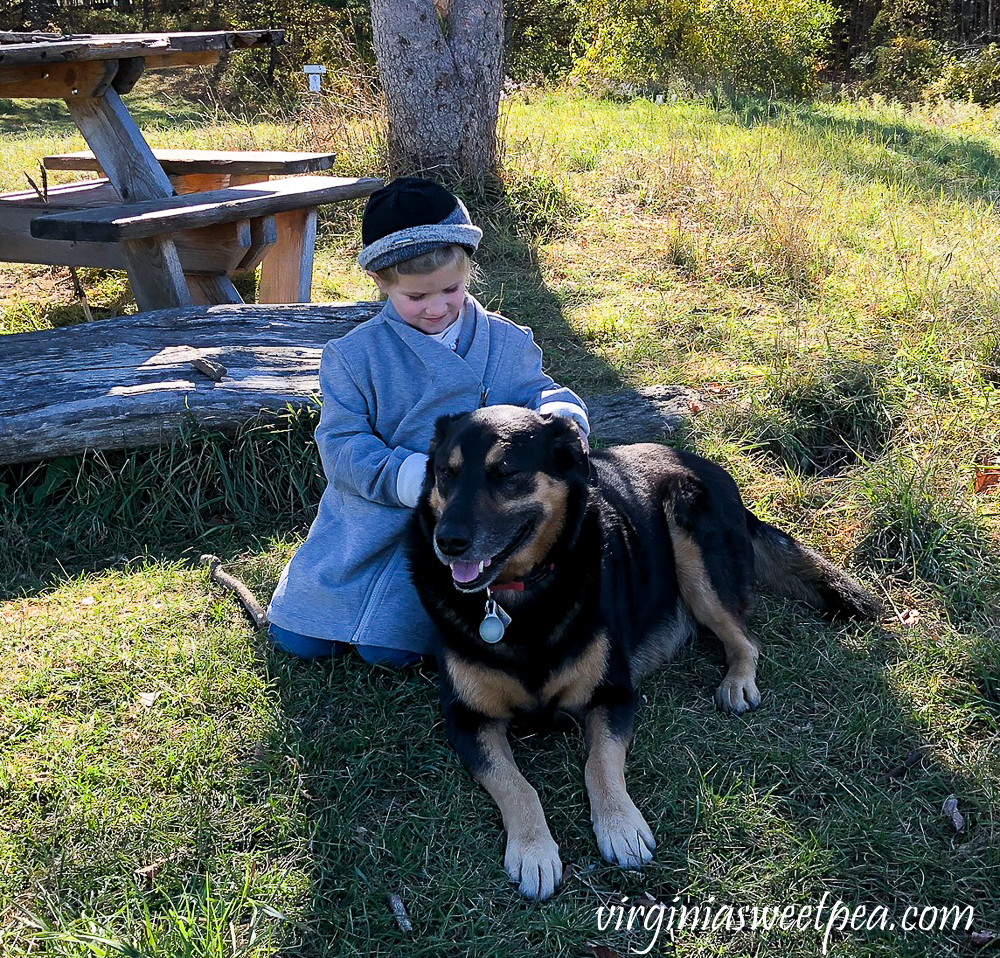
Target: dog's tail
<point>789,568</point>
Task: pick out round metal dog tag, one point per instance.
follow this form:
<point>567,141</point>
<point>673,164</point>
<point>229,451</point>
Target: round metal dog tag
<point>491,629</point>
<point>493,626</point>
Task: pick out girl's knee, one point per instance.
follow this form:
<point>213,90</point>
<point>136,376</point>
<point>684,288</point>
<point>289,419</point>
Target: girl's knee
<point>302,646</point>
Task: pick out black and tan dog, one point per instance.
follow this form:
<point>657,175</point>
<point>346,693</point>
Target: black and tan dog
<point>558,580</point>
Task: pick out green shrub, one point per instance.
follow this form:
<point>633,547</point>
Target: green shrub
<point>748,46</point>
<point>765,46</point>
<point>540,39</point>
<point>637,44</point>
<point>975,77</point>
<point>901,68</point>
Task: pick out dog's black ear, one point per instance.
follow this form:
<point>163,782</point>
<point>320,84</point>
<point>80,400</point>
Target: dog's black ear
<point>441,427</point>
<point>569,450</point>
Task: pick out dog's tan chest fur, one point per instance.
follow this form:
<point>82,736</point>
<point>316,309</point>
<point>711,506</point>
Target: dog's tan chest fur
<point>496,694</point>
<point>572,687</point>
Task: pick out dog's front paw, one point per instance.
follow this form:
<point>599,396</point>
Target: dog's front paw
<point>533,864</point>
<point>624,838</point>
<point>737,694</point>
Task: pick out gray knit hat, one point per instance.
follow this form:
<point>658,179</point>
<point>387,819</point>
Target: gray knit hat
<point>410,217</point>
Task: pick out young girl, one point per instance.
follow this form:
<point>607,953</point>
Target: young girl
<point>431,351</point>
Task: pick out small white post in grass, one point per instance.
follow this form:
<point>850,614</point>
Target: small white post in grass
<point>314,71</point>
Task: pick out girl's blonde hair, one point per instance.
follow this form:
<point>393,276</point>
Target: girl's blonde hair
<point>427,263</point>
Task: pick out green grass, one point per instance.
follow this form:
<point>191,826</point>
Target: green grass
<point>828,274</point>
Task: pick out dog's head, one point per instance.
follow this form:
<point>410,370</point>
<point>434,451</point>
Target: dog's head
<point>504,485</point>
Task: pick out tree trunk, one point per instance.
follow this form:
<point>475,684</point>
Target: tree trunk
<point>441,67</point>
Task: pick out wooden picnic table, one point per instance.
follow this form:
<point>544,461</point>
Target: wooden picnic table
<point>180,235</point>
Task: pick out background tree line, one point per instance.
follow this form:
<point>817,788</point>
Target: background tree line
<point>782,47</point>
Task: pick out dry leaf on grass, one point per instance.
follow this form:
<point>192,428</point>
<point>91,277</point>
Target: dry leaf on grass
<point>148,873</point>
<point>982,939</point>
<point>147,699</point>
<point>950,809</point>
<point>987,477</point>
<point>601,951</point>
<point>909,617</point>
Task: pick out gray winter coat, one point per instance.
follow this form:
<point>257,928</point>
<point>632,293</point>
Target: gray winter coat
<point>384,386</point>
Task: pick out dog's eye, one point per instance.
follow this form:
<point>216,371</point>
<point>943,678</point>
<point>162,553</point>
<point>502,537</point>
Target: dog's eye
<point>445,473</point>
<point>501,473</point>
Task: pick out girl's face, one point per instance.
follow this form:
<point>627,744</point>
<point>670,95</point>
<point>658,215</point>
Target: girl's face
<point>429,302</point>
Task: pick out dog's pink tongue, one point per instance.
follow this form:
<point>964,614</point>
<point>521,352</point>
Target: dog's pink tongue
<point>464,571</point>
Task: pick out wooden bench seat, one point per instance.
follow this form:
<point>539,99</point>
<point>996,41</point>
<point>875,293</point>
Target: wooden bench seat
<point>150,218</point>
<point>281,218</point>
<point>232,162</point>
<point>225,249</point>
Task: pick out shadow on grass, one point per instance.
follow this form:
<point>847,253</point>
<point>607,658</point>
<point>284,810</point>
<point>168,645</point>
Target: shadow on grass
<point>834,788</point>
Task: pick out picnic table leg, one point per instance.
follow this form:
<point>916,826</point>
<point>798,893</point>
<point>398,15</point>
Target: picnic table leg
<point>154,269</point>
<point>286,273</point>
<point>155,274</point>
<point>119,147</point>
<point>209,289</point>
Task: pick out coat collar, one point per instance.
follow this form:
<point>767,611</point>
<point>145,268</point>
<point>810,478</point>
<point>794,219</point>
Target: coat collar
<point>437,357</point>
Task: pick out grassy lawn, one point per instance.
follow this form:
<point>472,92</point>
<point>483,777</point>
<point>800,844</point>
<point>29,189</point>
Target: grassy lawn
<point>829,276</point>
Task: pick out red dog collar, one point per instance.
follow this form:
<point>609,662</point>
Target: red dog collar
<point>517,585</point>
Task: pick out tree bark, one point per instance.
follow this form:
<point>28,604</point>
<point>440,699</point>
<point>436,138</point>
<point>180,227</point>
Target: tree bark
<point>440,62</point>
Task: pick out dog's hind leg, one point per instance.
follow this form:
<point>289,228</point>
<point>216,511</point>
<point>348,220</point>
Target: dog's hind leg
<point>622,834</point>
<point>532,857</point>
<point>719,597</point>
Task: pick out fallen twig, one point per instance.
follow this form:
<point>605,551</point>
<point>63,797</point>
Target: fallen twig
<point>399,910</point>
<point>245,597</point>
<point>900,770</point>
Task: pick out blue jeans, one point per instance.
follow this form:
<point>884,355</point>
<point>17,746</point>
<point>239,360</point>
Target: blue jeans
<point>306,647</point>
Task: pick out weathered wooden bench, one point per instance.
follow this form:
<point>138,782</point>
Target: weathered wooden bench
<point>146,229</point>
<point>259,164</point>
<point>282,247</point>
<point>136,380</point>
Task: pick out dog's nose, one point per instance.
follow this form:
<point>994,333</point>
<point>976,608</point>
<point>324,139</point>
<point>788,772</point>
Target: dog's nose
<point>452,545</point>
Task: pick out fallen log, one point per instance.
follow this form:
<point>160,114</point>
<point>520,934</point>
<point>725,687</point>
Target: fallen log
<point>135,381</point>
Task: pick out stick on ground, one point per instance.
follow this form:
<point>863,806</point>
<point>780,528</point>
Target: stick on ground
<point>243,595</point>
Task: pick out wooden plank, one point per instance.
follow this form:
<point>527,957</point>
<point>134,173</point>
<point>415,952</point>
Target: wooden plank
<point>115,46</point>
<point>208,288</point>
<point>199,182</point>
<point>174,61</point>
<point>85,193</point>
<point>17,210</point>
<point>263,235</point>
<point>119,147</point>
<point>222,248</point>
<point>286,273</point>
<point>156,217</point>
<point>184,162</point>
<point>216,249</point>
<point>127,382</point>
<point>59,80</point>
